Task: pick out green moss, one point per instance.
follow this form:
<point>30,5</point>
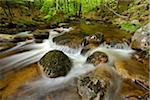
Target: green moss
<point>57,63</point>
<point>130,27</point>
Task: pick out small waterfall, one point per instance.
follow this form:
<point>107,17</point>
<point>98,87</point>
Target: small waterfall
<point>123,45</point>
<point>113,53</point>
<point>45,85</point>
<point>37,50</point>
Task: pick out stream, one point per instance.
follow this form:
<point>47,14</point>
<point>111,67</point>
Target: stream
<point>33,52</point>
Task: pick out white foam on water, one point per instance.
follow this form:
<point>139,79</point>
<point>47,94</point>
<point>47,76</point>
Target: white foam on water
<point>112,53</point>
<point>44,85</point>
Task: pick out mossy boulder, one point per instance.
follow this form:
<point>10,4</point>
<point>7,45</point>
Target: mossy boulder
<point>97,58</point>
<point>55,63</point>
<point>97,84</point>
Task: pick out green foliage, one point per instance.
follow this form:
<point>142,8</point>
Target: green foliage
<point>130,27</point>
<point>70,8</point>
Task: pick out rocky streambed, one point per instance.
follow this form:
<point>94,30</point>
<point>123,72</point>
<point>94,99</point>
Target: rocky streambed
<point>85,62</point>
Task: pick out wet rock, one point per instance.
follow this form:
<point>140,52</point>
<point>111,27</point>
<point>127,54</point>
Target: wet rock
<point>55,63</point>
<point>88,47</point>
<point>6,45</point>
<point>6,37</point>
<point>71,39</point>
<point>41,34</point>
<point>97,85</point>
<point>96,38</point>
<point>92,41</point>
<point>141,56</point>
<point>137,93</point>
<point>118,44</point>
<point>21,38</point>
<point>97,58</point>
<point>132,70</point>
<point>140,39</point>
<point>14,79</point>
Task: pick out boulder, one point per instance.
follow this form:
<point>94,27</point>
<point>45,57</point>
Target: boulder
<point>98,85</point>
<point>96,38</point>
<point>41,34</point>
<point>140,39</point>
<point>97,58</point>
<point>55,63</point>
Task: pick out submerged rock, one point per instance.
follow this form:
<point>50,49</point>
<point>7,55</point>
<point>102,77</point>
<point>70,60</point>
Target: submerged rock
<point>55,63</point>
<point>71,39</point>
<point>117,44</point>
<point>98,85</point>
<point>97,58</point>
<point>140,39</point>
<point>41,34</point>
<point>141,56</point>
<point>132,70</point>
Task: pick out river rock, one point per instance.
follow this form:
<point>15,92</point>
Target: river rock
<point>55,63</point>
<point>21,38</point>
<point>6,45</point>
<point>92,41</point>
<point>132,70</point>
<point>96,38</point>
<point>6,37</point>
<point>140,39</point>
<point>41,34</point>
<point>98,84</point>
<point>71,39</point>
<point>97,58</point>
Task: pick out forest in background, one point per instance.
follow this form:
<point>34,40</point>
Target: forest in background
<point>42,13</point>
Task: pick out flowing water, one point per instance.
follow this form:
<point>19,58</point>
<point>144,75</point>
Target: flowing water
<point>34,51</point>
